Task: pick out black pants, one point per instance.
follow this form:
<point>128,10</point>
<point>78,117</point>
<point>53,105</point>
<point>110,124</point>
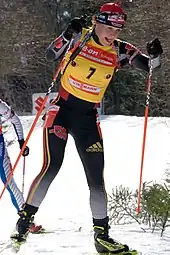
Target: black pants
<point>85,129</point>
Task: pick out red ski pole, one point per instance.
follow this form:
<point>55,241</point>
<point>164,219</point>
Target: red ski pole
<point>144,133</point>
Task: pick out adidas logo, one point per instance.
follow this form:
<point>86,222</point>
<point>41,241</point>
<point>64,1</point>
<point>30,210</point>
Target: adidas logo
<point>96,147</point>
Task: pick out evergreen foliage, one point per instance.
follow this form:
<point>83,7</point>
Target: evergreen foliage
<point>155,206</point>
<point>28,27</point>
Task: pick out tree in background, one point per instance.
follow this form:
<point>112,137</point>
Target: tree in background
<point>27,28</point>
<point>126,94</point>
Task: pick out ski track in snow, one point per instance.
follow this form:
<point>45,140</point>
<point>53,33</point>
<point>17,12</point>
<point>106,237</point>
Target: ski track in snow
<point>66,207</point>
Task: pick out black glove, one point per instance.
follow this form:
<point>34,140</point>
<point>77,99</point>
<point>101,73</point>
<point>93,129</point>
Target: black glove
<point>154,48</point>
<point>75,26</point>
<point>26,150</point>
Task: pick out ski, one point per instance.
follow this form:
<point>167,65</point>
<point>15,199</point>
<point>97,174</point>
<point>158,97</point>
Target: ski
<point>5,245</point>
<point>15,246</point>
<point>17,241</point>
<point>131,252</point>
<point>11,246</point>
<point>43,231</point>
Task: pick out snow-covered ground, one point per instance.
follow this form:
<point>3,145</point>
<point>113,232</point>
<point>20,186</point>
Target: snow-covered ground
<point>66,207</point>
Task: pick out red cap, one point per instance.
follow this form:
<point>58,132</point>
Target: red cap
<point>112,7</point>
<point>112,14</point>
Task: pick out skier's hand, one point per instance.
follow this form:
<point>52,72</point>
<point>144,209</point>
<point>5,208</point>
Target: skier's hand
<point>75,26</point>
<point>154,48</point>
<point>26,150</point>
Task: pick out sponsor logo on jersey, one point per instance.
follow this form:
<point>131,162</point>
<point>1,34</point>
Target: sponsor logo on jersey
<point>98,55</point>
<point>84,86</point>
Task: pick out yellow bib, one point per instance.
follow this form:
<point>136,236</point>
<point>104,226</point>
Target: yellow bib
<point>88,76</point>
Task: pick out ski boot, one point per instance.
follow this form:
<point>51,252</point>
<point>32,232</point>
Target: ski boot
<point>24,223</point>
<point>34,229</point>
<point>103,243</point>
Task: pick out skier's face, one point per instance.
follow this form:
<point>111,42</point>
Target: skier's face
<point>106,34</point>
